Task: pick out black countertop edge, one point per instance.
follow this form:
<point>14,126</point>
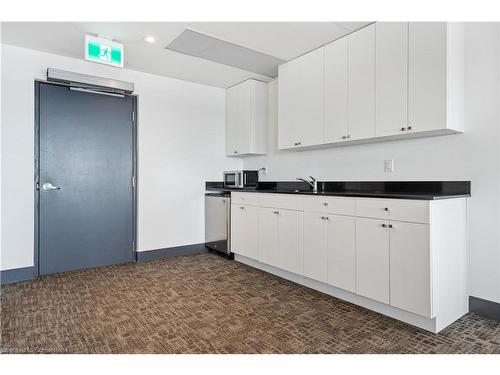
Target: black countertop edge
<point>423,190</point>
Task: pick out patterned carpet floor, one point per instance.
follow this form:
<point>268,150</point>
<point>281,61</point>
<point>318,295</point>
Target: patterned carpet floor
<point>207,304</point>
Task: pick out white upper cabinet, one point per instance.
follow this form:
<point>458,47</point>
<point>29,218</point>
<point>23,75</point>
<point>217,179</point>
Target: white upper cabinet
<point>336,91</point>
<point>300,104</point>
<point>391,78</point>
<point>436,59</point>
<point>246,118</point>
<point>388,80</point>
<point>362,83</point>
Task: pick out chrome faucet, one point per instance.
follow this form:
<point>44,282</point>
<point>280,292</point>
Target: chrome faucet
<point>313,183</point>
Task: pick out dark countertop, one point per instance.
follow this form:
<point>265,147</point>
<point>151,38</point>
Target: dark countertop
<point>419,190</point>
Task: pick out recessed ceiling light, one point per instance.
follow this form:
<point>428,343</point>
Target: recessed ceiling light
<point>149,39</point>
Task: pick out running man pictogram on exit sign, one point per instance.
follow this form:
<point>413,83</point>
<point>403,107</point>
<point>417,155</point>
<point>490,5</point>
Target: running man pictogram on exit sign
<point>103,51</point>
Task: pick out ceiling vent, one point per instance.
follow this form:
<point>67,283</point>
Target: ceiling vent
<point>206,47</point>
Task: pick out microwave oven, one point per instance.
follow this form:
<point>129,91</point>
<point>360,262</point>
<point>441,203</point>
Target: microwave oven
<point>241,179</point>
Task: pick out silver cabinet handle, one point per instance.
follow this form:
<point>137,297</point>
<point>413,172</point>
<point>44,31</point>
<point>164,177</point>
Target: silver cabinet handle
<point>408,128</point>
<point>49,187</point>
<point>242,208</point>
<point>235,152</point>
<point>348,136</point>
<point>390,226</point>
<point>344,137</point>
<point>403,129</point>
<point>276,212</point>
<point>384,225</point>
<point>325,204</point>
<point>386,209</point>
<point>297,143</point>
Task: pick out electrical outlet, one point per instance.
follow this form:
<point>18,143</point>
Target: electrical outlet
<point>389,165</point>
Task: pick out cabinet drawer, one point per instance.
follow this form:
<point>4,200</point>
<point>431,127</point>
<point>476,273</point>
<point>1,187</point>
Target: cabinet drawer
<point>330,205</point>
<point>284,201</point>
<point>394,209</point>
<point>245,198</point>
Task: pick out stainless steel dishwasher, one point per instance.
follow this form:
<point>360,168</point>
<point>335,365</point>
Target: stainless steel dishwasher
<point>218,223</point>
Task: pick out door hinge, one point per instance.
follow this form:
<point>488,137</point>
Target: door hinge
<point>133,181</point>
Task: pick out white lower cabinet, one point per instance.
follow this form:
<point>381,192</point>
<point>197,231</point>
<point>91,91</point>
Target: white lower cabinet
<point>341,251</point>
<point>280,238</point>
<point>268,236</point>
<point>290,224</point>
<point>410,260</point>
<point>372,259</point>
<point>403,258</point>
<point>393,263</point>
<point>329,249</point>
<point>244,227</point>
<point>315,266</point>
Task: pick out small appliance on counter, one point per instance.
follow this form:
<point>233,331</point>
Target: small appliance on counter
<point>218,223</point>
<point>241,179</point>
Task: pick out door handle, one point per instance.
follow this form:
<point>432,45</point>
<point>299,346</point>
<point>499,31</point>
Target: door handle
<point>49,187</point>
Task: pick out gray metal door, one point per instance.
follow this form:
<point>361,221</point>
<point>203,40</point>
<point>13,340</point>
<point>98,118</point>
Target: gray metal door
<point>86,165</point>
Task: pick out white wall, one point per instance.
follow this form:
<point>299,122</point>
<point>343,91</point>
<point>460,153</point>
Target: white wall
<point>180,146</point>
<point>472,156</point>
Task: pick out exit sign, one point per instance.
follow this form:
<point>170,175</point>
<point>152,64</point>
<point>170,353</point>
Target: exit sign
<point>103,51</point>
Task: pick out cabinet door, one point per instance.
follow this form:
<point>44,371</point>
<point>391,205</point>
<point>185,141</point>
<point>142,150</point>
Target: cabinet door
<point>336,91</point>
<point>341,251</point>
<point>300,104</point>
<point>372,259</point>
<point>315,258</point>
<point>362,83</point>
<point>244,231</point>
<point>410,267</point>
<point>268,236</point>
<point>238,119</point>
<point>427,76</point>
<point>391,78</point>
<point>290,240</point>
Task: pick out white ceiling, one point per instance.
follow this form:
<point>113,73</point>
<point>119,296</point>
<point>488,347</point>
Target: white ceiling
<point>284,40</point>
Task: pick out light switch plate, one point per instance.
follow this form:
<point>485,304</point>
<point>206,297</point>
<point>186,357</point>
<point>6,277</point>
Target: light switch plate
<point>389,165</point>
